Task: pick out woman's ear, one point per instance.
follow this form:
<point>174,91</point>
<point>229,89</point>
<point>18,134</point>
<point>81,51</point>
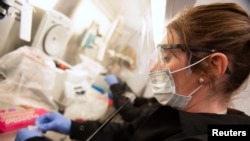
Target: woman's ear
<point>219,64</point>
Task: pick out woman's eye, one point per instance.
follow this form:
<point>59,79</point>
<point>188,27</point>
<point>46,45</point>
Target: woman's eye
<point>165,59</point>
<point>166,56</point>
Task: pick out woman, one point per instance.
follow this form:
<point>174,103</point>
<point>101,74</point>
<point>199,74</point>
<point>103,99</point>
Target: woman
<point>204,59</point>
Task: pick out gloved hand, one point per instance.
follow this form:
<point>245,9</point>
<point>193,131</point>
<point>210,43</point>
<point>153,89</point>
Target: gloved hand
<point>54,122</point>
<point>111,79</point>
<point>26,133</point>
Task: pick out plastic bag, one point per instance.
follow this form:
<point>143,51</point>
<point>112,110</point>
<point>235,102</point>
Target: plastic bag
<point>89,106</point>
<point>28,78</point>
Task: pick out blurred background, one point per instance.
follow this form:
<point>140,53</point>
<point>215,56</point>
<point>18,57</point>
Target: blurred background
<point>83,40</point>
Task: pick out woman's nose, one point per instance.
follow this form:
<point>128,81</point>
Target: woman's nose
<point>157,67</point>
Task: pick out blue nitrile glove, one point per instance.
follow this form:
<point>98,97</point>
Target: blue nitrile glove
<point>54,122</point>
<point>26,133</point>
<point>111,79</point>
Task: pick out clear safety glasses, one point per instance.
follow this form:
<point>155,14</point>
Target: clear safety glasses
<point>167,50</point>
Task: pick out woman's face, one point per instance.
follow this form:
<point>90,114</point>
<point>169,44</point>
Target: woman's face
<point>175,59</point>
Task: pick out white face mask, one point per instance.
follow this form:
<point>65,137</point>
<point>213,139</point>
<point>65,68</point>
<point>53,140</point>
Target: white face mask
<point>164,90</point>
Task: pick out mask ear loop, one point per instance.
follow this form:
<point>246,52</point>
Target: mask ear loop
<point>189,66</point>
<point>201,80</point>
<point>195,90</point>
